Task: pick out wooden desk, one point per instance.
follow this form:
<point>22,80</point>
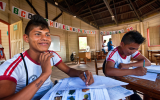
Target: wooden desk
<point>150,89</point>
<point>152,51</point>
<point>85,56</point>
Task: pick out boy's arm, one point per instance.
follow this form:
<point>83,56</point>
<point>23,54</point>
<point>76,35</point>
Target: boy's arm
<point>7,88</point>
<point>76,73</point>
<point>111,71</point>
<point>139,62</point>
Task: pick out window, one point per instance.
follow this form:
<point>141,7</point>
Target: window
<point>106,37</point>
<point>82,43</point>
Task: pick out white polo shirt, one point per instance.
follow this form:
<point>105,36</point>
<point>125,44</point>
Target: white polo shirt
<point>115,57</point>
<point>14,70</point>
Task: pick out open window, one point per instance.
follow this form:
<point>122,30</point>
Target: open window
<point>82,43</point>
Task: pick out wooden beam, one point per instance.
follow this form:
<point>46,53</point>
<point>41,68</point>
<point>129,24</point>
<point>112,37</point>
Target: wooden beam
<point>91,13</point>
<point>46,9</point>
<point>110,10</point>
<point>69,12</point>
<point>146,4</point>
<point>33,7</point>
<point>58,16</point>
<point>67,5</point>
<point>151,12</point>
<point>77,13</point>
<point>135,11</point>
<point>103,4</point>
<point>100,9</point>
<point>117,14</point>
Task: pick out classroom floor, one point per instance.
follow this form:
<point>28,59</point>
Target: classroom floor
<point>57,74</point>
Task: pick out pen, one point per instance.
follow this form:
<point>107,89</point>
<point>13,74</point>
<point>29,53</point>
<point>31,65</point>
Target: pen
<point>85,75</point>
<point>144,63</point>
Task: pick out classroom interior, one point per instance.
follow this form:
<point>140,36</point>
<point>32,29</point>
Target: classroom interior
<point>94,21</point>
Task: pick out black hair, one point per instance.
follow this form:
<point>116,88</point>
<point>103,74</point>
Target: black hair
<point>36,21</point>
<point>133,37</point>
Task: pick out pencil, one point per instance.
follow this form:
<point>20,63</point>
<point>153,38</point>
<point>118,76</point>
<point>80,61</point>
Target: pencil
<point>144,63</point>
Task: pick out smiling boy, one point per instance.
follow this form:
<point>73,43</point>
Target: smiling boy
<point>14,84</point>
<point>118,59</point>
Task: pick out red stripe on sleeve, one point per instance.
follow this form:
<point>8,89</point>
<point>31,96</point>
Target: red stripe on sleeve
<point>14,67</point>
<point>58,62</point>
<point>5,73</point>
<point>136,55</point>
<point>5,77</point>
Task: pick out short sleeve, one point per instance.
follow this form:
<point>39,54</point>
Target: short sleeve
<point>111,56</point>
<point>56,59</point>
<point>10,70</point>
<point>136,54</point>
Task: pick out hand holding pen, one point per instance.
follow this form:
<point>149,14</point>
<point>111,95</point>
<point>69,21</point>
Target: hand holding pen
<point>87,77</point>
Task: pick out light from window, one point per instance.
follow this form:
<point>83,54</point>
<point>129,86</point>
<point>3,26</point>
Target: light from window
<point>82,43</point>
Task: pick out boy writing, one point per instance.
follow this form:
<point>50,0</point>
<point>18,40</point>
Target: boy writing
<point>38,59</point>
<point>118,59</point>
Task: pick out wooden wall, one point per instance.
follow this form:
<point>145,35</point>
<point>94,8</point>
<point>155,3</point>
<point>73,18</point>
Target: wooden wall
<point>68,40</point>
<point>4,39</point>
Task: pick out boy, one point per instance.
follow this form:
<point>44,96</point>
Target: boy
<point>110,45</point>
<point>103,47</point>
<point>118,59</point>
<point>38,61</point>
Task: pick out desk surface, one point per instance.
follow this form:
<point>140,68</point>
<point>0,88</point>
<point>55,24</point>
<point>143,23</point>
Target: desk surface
<point>153,50</point>
<point>150,88</point>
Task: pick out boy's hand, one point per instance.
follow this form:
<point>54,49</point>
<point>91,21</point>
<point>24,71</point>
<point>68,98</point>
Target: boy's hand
<point>123,66</point>
<point>140,71</point>
<point>89,76</point>
<point>45,62</point>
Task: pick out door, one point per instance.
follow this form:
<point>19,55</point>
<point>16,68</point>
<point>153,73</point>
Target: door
<point>16,38</point>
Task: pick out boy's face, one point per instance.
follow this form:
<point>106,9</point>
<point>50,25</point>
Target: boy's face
<point>129,49</point>
<point>39,39</point>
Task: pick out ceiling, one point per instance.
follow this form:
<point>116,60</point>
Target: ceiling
<point>98,12</point>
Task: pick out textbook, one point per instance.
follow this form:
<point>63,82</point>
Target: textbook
<point>73,88</point>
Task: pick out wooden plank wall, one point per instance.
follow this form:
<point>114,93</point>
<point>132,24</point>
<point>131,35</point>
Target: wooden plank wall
<point>67,46</point>
<point>4,39</point>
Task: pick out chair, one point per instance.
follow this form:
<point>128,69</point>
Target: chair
<point>96,65</point>
<point>157,57</point>
<point>75,58</point>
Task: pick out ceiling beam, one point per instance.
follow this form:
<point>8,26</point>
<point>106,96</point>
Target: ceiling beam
<point>69,12</point>
<point>147,4</point>
<point>67,5</point>
<point>91,13</point>
<point>102,8</point>
<point>135,11</point>
<point>32,7</point>
<point>103,4</point>
<point>151,12</point>
<point>117,15</point>
<point>58,16</point>
<point>77,13</point>
<point>80,2</point>
<point>110,10</point>
<point>46,9</point>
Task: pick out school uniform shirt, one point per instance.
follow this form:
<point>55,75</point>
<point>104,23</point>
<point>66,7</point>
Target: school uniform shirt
<point>115,57</point>
<point>14,70</point>
<point>103,45</point>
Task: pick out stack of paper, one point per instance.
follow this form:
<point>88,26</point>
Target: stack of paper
<point>153,69</point>
<point>103,88</point>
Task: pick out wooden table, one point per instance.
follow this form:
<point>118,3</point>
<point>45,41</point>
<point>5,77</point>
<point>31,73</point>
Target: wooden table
<point>150,89</point>
<point>85,56</point>
<point>152,51</point>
